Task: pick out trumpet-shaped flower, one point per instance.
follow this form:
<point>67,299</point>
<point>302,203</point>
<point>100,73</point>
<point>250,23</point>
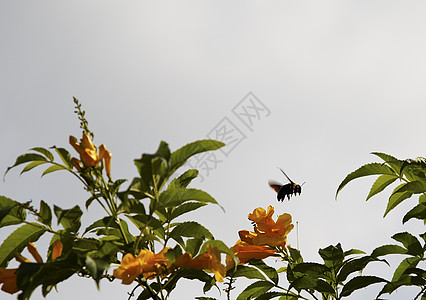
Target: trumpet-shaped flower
<point>205,261</point>
<point>8,279</point>
<point>245,251</point>
<point>130,268</point>
<point>267,231</point>
<point>88,153</point>
<point>146,263</point>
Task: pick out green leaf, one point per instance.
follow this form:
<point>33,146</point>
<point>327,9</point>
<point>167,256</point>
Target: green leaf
<point>44,151</point>
<point>267,270</point>
<point>139,188</point>
<point>96,268</point>
<point>179,157</point>
<point>332,255</point>
<point>247,272</point>
<point>185,179</point>
<point>154,167</point>
<point>32,165</point>
<point>18,240</point>
<point>177,196</point>
<point>191,229</point>
<point>32,275</point>
<point>354,265</point>
<point>185,208</point>
<point>272,295</point>
<point>380,184</point>
<point>255,289</point>
<point>393,162</point>
<point>418,212</point>
<point>53,169</point>
<point>388,249</point>
<point>407,263</point>
<point>24,158</point>
<point>143,221</point>
<point>86,245</point>
<point>4,212</point>
<point>295,255</point>
<point>64,155</point>
<point>69,218</point>
<point>193,246</point>
<point>414,187</point>
<point>45,214</point>
<point>107,249</point>
<point>105,222</point>
<point>414,169</point>
<point>359,283</point>
<point>11,212</point>
<point>396,198</point>
<point>313,270</point>
<point>91,199</point>
<point>303,283</point>
<point>366,170</point>
<point>352,252</point>
<point>389,287</point>
<point>410,242</point>
<point>116,185</point>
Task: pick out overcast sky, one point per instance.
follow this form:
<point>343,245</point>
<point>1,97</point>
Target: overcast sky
<point>331,81</point>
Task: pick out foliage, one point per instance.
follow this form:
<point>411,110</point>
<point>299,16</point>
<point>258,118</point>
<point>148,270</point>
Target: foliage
<point>148,239</point>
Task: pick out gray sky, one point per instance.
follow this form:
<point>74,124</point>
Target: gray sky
<point>340,79</point>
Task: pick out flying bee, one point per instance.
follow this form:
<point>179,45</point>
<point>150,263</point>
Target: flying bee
<point>286,189</point>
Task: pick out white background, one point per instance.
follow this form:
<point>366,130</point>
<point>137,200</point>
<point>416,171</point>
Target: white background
<point>341,79</point>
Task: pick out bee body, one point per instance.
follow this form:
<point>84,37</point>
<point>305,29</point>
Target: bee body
<point>286,190</point>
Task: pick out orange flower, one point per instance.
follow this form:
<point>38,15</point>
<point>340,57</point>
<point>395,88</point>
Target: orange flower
<point>88,153</point>
<point>153,264</point>
<point>245,251</point>
<point>267,231</point>
<point>146,263</point>
<point>205,261</point>
<point>8,279</point>
<point>260,215</point>
<point>86,149</point>
<point>57,249</point>
<point>8,276</point>
<point>130,268</point>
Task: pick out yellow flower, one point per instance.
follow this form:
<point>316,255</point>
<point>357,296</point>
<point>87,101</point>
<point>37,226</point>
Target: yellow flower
<point>88,153</point>
<point>245,251</point>
<point>146,263</point>
<point>8,279</point>
<point>260,215</point>
<point>8,276</point>
<point>267,231</point>
<point>205,261</point>
<point>130,268</point>
<point>86,149</point>
<point>153,264</point>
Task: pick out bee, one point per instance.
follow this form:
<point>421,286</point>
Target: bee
<point>286,189</point>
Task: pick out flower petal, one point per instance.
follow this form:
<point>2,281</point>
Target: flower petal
<point>33,250</point>
<point>57,249</point>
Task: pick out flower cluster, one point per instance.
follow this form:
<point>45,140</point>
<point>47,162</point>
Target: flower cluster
<point>149,264</point>
<point>89,155</point>
<point>266,230</point>
<point>8,276</point>
<point>146,263</point>
<point>205,261</point>
<point>267,235</point>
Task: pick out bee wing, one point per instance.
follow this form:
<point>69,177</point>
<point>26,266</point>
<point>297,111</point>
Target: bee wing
<point>274,185</point>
